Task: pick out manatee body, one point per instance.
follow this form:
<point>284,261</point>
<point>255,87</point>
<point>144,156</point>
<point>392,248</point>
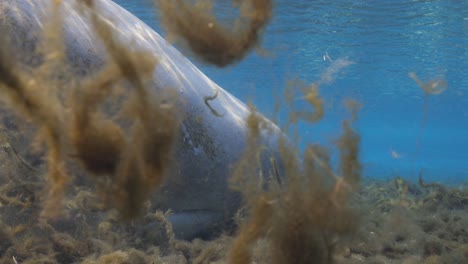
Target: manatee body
<point>196,188</point>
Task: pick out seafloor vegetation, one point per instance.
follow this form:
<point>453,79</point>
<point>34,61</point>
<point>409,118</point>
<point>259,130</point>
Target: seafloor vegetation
<point>397,222</point>
<point>87,206</point>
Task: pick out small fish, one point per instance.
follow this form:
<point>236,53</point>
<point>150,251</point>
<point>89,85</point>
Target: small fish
<point>395,154</point>
<point>327,57</point>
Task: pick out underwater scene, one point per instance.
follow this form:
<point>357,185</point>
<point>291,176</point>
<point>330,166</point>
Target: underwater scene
<point>244,131</point>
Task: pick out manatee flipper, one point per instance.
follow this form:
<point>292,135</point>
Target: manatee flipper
<point>188,225</point>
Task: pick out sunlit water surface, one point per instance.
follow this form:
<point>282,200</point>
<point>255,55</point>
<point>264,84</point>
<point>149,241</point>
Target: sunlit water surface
<point>365,50</point>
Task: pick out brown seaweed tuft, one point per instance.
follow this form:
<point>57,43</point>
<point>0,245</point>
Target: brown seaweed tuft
<point>309,217</point>
<point>209,39</point>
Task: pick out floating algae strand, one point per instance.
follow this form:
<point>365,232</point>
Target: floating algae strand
<point>436,86</point>
<point>133,163</point>
<point>431,87</point>
<point>206,37</point>
<point>31,101</point>
<point>210,98</point>
<point>140,163</point>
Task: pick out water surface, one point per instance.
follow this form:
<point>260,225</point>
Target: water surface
<point>365,50</point>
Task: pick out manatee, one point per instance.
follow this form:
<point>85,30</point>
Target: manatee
<point>213,130</point>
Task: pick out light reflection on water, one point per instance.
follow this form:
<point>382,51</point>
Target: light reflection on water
<point>384,40</point>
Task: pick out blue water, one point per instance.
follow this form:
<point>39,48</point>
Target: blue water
<point>365,50</point>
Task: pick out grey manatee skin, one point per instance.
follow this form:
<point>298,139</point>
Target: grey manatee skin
<point>196,188</point>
